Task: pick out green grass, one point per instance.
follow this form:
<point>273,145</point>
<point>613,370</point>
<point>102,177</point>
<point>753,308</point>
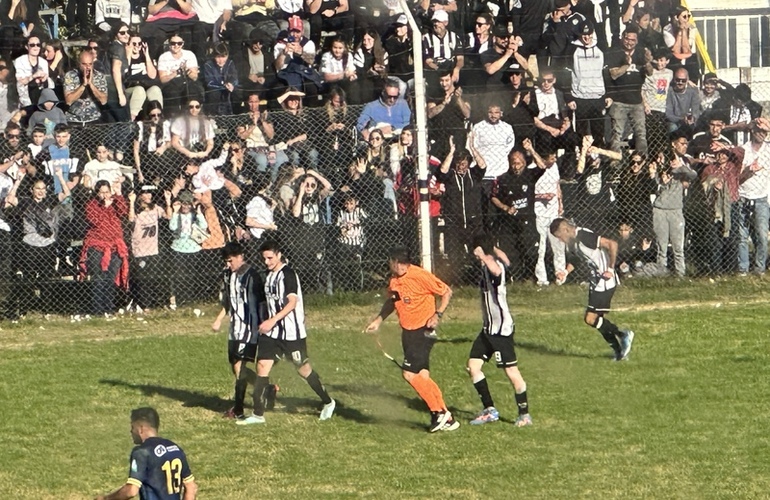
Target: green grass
<point>686,417</point>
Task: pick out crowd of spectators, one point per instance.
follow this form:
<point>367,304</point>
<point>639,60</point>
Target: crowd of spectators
<point>179,126</point>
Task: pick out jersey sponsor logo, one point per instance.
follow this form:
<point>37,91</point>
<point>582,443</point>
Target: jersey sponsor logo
<point>524,187</point>
<point>160,450</point>
<point>134,467</point>
<point>407,300</point>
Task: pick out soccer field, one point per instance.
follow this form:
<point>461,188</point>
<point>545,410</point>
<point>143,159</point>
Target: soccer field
<point>685,417</point>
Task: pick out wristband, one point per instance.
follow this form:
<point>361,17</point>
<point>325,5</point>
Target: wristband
<point>439,314</point>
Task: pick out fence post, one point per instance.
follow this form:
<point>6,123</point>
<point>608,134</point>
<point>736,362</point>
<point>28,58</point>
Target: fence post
<point>420,107</point>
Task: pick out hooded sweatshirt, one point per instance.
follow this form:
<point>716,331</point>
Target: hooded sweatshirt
<point>48,118</point>
<point>587,76</point>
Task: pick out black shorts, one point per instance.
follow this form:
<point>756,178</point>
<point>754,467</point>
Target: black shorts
<point>241,351</point>
<point>600,302</point>
<point>275,349</point>
<point>417,345</point>
<point>495,347</point>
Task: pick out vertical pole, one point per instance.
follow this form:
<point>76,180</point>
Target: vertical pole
<point>420,107</point>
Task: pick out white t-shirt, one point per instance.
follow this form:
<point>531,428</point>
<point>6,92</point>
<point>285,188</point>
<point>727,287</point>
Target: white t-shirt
<point>259,210</point>
<point>209,11</point>
<point>758,185</point>
<point>494,142</point>
<point>168,63</point>
<point>548,183</point>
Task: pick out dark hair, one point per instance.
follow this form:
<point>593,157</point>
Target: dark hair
<point>270,246</point>
<point>39,129</point>
<point>147,415</point>
<point>115,29</point>
<point>487,17</point>
<point>100,184</point>
<point>485,241</point>
<point>742,93</point>
<point>61,127</point>
<point>463,155</point>
<point>220,49</point>
<point>11,126</point>
<point>640,12</point>
<point>399,255</point>
<point>444,72</point>
<point>557,223</point>
<point>632,28</point>
<point>232,249</point>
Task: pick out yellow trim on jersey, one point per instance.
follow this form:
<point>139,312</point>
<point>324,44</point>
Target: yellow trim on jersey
<point>134,482</point>
<point>188,479</point>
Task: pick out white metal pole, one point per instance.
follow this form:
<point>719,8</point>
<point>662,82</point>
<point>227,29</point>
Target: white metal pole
<point>420,108</point>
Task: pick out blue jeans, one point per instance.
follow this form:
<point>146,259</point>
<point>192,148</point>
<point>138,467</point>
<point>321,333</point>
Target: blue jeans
<point>753,219</point>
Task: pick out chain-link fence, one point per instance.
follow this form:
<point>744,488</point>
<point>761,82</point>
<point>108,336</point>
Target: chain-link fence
<point>506,163</point>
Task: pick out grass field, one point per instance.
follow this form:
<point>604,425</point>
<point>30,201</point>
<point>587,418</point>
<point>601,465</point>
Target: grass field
<point>686,417</point>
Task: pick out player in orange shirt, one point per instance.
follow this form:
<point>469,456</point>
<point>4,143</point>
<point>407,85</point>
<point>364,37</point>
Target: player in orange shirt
<point>412,294</point>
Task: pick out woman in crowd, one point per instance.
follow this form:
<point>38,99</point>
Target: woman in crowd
<point>649,37</point>
<point>58,65</point>
<point>376,154</point>
<point>239,167</point>
<point>152,141</point>
<point>371,61</point>
<point>19,19</point>
<point>221,81</point>
<point>141,81</point>
<point>680,35</point>
<point>337,68</point>
<point>188,226</point>
<point>338,139</point>
<point>405,150</point>
<point>310,214</point>
<point>144,217</point>
<point>308,206</point>
<point>117,102</point>
<point>284,189</point>
<point>259,216</point>
<point>192,135</point>
<point>291,138</point>
<point>474,75</point>
<point>105,254</point>
<point>31,74</point>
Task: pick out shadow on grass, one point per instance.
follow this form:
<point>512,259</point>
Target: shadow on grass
<point>411,403</point>
<point>189,399</point>
<point>553,351</point>
<point>456,340</point>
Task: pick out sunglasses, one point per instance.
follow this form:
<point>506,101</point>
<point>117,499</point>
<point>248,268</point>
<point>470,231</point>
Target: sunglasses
<point>136,44</point>
<point>176,43</point>
<point>33,45</point>
<point>686,16</point>
<point>391,96</point>
<point>155,115</point>
<point>123,32</point>
<point>680,80</point>
<point>549,80</point>
<point>235,150</point>
<point>195,106</point>
<point>12,136</point>
<point>93,47</point>
<point>482,24</point>
<point>312,185</point>
<point>637,161</point>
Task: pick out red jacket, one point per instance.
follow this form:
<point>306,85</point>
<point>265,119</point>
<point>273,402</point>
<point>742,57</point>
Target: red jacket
<point>105,234</point>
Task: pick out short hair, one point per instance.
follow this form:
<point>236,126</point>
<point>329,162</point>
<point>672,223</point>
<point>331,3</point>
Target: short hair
<point>37,129</point>
<point>100,184</point>
<point>557,223</point>
<point>463,155</point>
<point>560,4</point>
<point>444,72</point>
<point>270,246</point>
<point>221,49</point>
<point>146,415</point>
<point>662,52</point>
<point>232,249</point>
<point>391,83</point>
<point>61,128</point>
<point>11,126</point>
<point>485,241</point>
<point>399,254</point>
<point>742,93</point>
<point>632,28</point>
<point>546,70</point>
<point>487,17</point>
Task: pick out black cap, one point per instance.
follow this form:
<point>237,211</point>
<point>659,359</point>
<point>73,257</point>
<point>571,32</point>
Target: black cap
<point>501,31</point>
<point>586,28</point>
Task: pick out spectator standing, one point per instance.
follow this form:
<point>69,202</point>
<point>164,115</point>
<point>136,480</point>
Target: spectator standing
<point>103,168</point>
<point>58,65</point>
<point>105,255</point>
<point>742,112</point>
<point>185,220</point>
<point>294,60</point>
<point>504,52</point>
<point>628,66</point>
<point>479,41</point>
<point>58,155</point>
<point>667,216</point>
<point>655,91</point>
<point>144,218</point>
<point>753,210</point>
<point>493,139</point>
<point>587,90</point>
<point>152,141</point>
<point>721,182</point>
<point>117,102</point>
<point>447,113</point>
<point>9,94</point>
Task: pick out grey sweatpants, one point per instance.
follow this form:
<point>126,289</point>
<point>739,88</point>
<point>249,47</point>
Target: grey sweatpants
<point>669,228</point>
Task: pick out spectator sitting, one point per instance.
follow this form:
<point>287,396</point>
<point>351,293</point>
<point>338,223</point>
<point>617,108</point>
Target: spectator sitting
<point>337,65</point>
<point>682,103</point>
<point>294,60</point>
<point>58,65</point>
<point>103,168</point>
<point>259,212</point>
<point>31,73</point>
<point>307,205</point>
<point>20,20</point>
<point>85,91</point>
<point>339,137</point>
<point>142,79</point>
<point>649,37</point>
<point>179,74</point>
<point>680,35</point>
<point>480,41</point>
<point>152,140</point>
<point>504,52</point>
<point>389,113</point>
<point>371,63</point>
<point>166,19</point>
<point>399,49</point>
<point>635,253</point>
<point>11,150</point>
<point>192,135</point>
<point>9,97</point>
<point>221,80</point>
<point>47,115</point>
<point>38,138</point>
<point>256,67</point>
<point>700,146</point>
<point>330,15</point>
<point>108,14</point>
<point>712,89</point>
<point>259,131</point>
<point>292,133</point>
<point>442,49</point>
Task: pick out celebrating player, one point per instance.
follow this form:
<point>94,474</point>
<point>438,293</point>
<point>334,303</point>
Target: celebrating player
<point>599,253</point>
<point>243,298</point>
<point>283,333</point>
<point>496,337</point>
<point>412,294</point>
<point>159,467</point>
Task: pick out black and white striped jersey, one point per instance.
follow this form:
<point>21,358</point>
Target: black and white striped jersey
<point>494,303</point>
<point>351,227</point>
<point>244,301</point>
<point>586,246</point>
<point>443,51</point>
<point>279,285</point>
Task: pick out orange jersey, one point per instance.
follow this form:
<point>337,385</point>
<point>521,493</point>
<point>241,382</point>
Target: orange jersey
<point>414,295</point>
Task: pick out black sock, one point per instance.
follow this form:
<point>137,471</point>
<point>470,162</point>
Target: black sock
<point>483,389</point>
<point>315,383</point>
<point>610,333</point>
<point>259,389</point>
<point>521,402</point>
<point>240,395</point>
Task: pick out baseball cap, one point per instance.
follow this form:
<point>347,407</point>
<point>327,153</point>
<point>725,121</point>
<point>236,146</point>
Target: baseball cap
<point>500,31</point>
<point>586,28</point>
<point>402,21</point>
<point>440,15</point>
<point>295,24</point>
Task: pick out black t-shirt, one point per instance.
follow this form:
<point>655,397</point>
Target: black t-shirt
<point>495,80</point>
<point>399,57</point>
<point>159,467</point>
<point>627,88</point>
<point>289,126</point>
<point>518,191</point>
<point>463,193</point>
